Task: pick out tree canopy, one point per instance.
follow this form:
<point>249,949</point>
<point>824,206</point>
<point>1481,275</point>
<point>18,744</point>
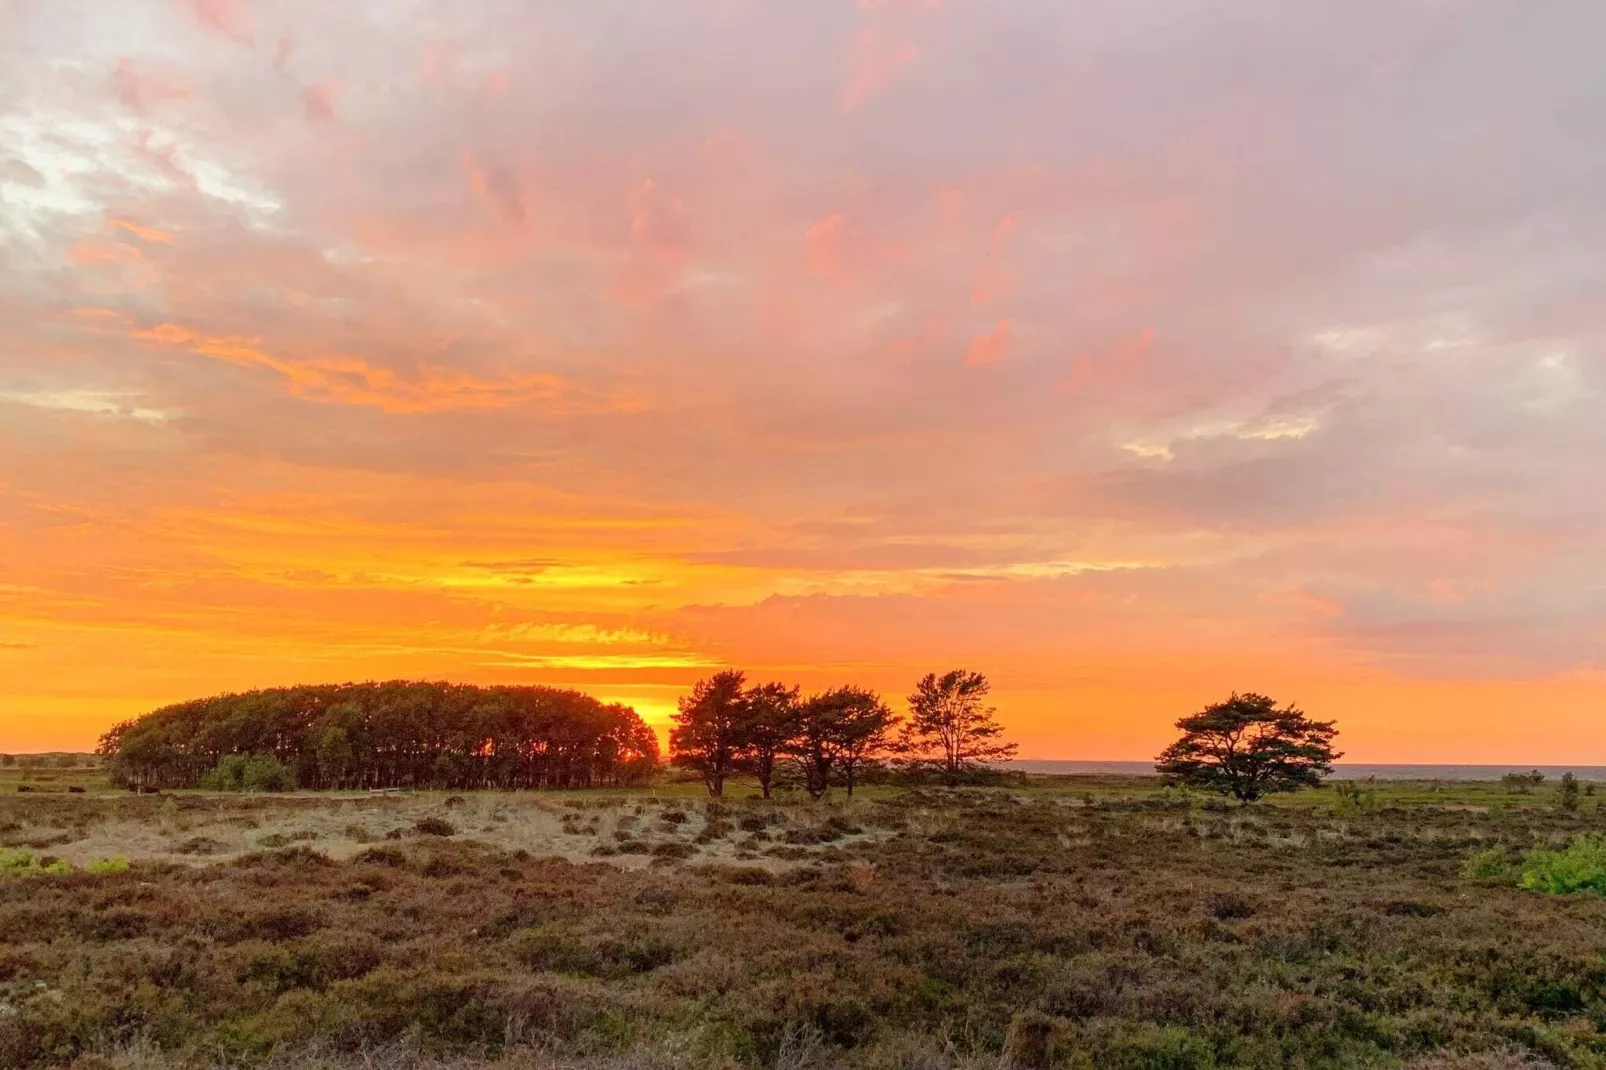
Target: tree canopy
<point>395,734</point>
<point>950,728</point>
<point>1249,748</point>
<point>833,737</point>
<point>706,736</point>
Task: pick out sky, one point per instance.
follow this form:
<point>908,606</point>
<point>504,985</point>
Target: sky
<point>1132,352</point>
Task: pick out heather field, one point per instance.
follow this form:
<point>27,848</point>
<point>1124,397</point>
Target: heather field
<point>1077,922</point>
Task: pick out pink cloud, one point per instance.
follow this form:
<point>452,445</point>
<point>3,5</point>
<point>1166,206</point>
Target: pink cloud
<point>1120,361</point>
<point>822,246</point>
<point>660,232</point>
<point>658,221</point>
<point>524,275</point>
<point>319,102</point>
<point>497,187</point>
<point>231,18</point>
<point>992,347</point>
<point>140,91</point>
<point>874,64</point>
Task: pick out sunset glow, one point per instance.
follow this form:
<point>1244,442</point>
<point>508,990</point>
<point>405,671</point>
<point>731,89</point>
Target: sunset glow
<point>1127,353</point>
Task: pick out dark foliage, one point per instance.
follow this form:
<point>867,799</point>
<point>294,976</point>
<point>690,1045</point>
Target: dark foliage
<point>724,728</point>
<point>842,731</point>
<point>707,732</point>
<point>1248,748</point>
<point>950,728</point>
<point>767,724</point>
<point>396,734</point>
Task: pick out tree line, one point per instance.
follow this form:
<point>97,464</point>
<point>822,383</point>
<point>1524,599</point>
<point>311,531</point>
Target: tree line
<point>388,735</point>
<point>726,728</point>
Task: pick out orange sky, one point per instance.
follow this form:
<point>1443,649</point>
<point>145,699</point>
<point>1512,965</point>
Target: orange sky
<point>1128,352</point>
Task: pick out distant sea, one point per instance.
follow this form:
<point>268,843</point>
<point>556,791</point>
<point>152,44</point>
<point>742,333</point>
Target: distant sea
<point>1341,771</point>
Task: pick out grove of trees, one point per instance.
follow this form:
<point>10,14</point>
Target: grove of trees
<point>725,728</point>
<point>1247,747</point>
<point>395,734</point>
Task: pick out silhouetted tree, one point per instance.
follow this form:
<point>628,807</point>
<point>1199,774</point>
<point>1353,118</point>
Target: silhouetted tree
<point>767,722</point>
<point>857,726</point>
<point>812,746</point>
<point>950,728</point>
<point>707,732</point>
<point>395,734</point>
<point>1248,748</point>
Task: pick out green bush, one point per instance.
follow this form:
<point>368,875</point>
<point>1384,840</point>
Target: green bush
<point>1568,798</point>
<point>1492,865</point>
<point>101,866</point>
<point>1580,867</point>
<point>1354,799</point>
<point>25,863</point>
<point>249,772</point>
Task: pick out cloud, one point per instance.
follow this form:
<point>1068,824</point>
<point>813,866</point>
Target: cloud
<point>992,347</point>
<point>319,101</point>
<point>879,50</point>
<point>874,64</point>
<point>840,341</point>
<point>150,235</point>
<point>142,91</point>
<point>86,401</point>
<point>497,186</point>
<point>230,18</point>
<point>822,246</point>
<point>346,380</point>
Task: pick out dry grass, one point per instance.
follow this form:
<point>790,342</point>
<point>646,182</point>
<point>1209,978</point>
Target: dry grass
<point>201,829</point>
<point>925,931</point>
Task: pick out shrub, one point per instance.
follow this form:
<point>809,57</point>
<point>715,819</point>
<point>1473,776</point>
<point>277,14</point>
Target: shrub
<point>103,866</point>
<point>1354,799</point>
<point>1568,799</point>
<point>434,826</point>
<point>1580,867</point>
<point>313,962</point>
<point>673,850</point>
<point>1522,783</point>
<point>1492,865</point>
<point>25,863</point>
<point>1036,1041</point>
<point>1227,906</point>
<point>249,772</point>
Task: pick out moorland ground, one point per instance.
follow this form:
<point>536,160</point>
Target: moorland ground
<point>1057,922</point>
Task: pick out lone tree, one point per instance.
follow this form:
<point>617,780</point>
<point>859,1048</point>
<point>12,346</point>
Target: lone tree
<point>949,727</point>
<point>1247,747</point>
<point>707,732</point>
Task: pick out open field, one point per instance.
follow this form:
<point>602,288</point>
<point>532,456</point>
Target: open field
<point>1074,921</point>
<point>86,774</point>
